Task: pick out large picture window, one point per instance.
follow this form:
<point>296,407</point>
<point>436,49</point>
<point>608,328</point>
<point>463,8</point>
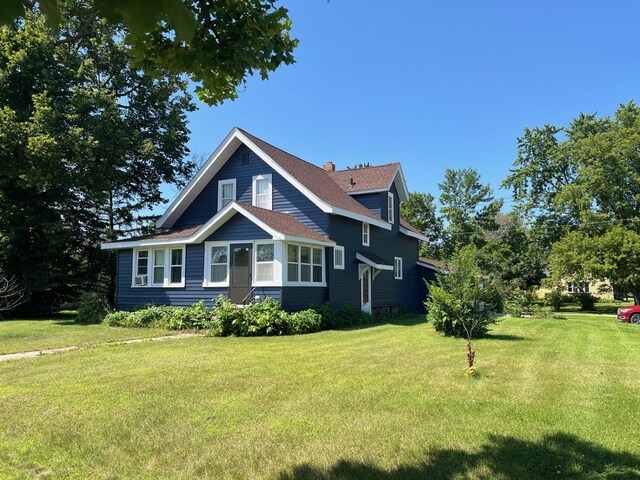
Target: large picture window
<point>158,267</point>
<point>305,264</point>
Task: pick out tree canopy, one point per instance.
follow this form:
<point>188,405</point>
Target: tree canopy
<point>217,44</point>
<point>582,183</point>
<point>86,140</point>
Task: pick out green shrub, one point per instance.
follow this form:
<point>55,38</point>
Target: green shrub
<point>306,321</point>
<point>327,315</point>
<point>226,317</point>
<point>522,304</point>
<point>117,319</point>
<point>93,308</point>
<point>586,300</point>
<point>554,299</point>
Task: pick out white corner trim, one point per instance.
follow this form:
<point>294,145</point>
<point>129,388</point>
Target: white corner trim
<point>403,192</point>
<point>365,260</point>
<point>409,233</point>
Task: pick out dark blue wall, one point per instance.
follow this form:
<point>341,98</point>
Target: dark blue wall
<point>301,298</point>
<point>239,227</point>
<point>371,201</point>
<point>344,286</point>
<point>128,297</point>
<point>286,198</point>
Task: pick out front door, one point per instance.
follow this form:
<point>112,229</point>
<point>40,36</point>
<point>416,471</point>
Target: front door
<point>240,274</point>
<point>365,289</point>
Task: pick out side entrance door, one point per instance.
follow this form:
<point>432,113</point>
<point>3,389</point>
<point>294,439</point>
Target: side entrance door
<point>365,288</point>
<point>240,273</point>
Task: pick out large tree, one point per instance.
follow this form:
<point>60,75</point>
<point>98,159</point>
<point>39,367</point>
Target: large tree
<point>582,182</point>
<point>468,209</point>
<point>420,210</point>
<point>216,43</point>
<point>86,139</point>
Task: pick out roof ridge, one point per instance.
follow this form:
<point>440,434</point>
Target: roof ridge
<point>278,148</point>
<point>365,168</point>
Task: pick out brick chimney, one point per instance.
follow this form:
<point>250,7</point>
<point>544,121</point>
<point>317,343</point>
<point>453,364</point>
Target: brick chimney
<point>329,167</point>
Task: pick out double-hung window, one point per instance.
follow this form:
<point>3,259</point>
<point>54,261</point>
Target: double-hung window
<point>390,207</point>
<point>159,267</point>
<point>365,234</point>
<point>397,268</point>
<point>265,256</point>
<point>262,191</point>
<point>304,264</point>
<point>226,192</point>
<point>217,271</point>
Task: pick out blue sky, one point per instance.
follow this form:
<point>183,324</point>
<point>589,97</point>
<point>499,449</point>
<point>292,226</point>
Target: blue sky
<point>433,85</point>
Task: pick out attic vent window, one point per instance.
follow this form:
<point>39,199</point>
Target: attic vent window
<point>244,157</point>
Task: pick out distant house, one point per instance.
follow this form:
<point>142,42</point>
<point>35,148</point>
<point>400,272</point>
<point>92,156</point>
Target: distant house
<point>256,221</point>
<point>600,289</point>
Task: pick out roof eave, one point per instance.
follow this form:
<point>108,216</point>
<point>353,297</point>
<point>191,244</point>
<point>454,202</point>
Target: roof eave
<point>409,233</point>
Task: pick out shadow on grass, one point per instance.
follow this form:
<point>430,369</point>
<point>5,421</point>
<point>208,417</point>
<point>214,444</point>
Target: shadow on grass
<point>555,456</point>
<point>401,319</point>
<point>499,336</point>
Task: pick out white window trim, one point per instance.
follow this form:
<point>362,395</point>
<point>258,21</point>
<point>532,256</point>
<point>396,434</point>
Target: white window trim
<point>397,268</point>
<point>391,207</point>
<point>207,264</point>
<point>337,266</point>
<point>285,270</point>
<point>254,190</point>
<point>167,267</point>
<point>366,231</point>
<point>225,182</point>
<point>278,247</point>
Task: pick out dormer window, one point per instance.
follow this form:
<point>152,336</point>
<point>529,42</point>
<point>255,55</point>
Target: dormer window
<point>390,208</point>
<point>226,192</point>
<point>262,190</point>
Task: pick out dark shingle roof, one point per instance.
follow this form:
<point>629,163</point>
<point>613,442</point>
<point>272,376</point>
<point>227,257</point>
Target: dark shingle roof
<point>369,178</point>
<point>408,226</point>
<point>168,235</point>
<point>284,223</point>
<point>431,261</point>
<point>374,258</point>
<point>312,177</point>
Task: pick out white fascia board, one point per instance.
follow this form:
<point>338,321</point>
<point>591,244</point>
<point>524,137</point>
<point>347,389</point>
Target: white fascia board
<point>225,214</point>
<point>403,190</point>
<point>189,192</point>
<point>409,233</point>
<point>325,207</point>
<point>427,265</point>
<point>363,218</point>
<point>144,243</point>
<point>364,259</point>
<point>361,192</point>
<point>290,238</point>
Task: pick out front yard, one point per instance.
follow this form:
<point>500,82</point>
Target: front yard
<point>554,399</point>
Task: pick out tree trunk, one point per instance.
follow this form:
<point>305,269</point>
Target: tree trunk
<point>471,355</point>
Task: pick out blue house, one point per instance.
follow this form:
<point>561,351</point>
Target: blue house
<point>256,221</point>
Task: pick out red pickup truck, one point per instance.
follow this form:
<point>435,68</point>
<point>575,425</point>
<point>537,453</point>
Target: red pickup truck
<point>629,314</point>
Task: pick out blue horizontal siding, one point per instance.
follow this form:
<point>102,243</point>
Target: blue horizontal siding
<point>372,201</point>
<point>239,227</point>
<point>129,298</point>
<point>301,298</point>
<point>286,198</point>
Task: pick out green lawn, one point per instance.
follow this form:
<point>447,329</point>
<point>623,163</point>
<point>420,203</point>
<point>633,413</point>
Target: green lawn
<point>554,399</point>
<point>62,331</point>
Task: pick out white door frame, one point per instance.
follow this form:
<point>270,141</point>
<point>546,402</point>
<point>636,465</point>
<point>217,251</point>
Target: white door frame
<point>364,272</point>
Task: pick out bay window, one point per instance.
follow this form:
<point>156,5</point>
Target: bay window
<point>216,271</point>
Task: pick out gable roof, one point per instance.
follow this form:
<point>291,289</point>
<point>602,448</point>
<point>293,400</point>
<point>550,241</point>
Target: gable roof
<point>411,231</point>
<point>371,180</point>
<point>311,181</point>
<point>281,226</point>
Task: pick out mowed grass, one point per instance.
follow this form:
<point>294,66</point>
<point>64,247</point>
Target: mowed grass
<point>61,331</point>
<point>554,399</point>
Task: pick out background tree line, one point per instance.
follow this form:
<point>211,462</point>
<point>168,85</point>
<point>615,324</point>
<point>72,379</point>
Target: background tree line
<point>576,215</point>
